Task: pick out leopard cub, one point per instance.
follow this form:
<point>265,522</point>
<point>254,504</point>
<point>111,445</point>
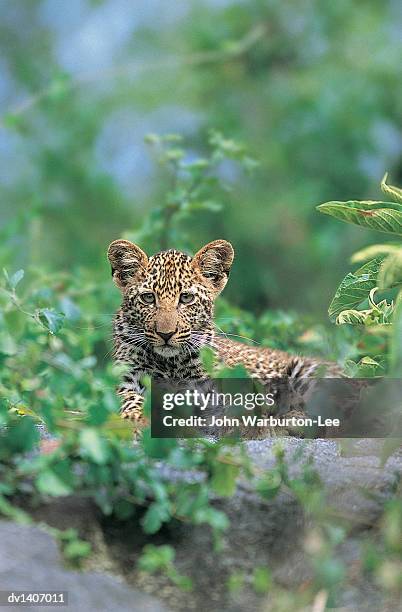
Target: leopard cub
<point>166,317</point>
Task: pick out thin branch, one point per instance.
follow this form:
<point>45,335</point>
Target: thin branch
<point>197,59</point>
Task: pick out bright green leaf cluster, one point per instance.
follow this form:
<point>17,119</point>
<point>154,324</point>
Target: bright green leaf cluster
<point>355,300</point>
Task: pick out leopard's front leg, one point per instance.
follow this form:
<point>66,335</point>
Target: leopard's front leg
<point>132,407</point>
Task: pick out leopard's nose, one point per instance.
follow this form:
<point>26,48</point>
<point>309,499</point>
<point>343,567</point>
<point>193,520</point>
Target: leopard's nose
<point>166,336</point>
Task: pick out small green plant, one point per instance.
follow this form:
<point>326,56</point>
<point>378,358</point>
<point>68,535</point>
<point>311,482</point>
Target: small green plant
<point>355,301</point>
<point>196,186</point>
<point>156,559</point>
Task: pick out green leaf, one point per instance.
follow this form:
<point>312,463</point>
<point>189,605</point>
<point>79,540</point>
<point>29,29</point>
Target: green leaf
<point>381,216</point>
<point>373,251</point>
<point>224,478</point>
<point>94,446</point>
<point>191,498</point>
<point>97,415</point>
<point>14,513</point>
<point>22,434</point>
<point>215,518</point>
<point>16,278</point>
<point>365,368</point>
<point>369,361</point>
<point>269,485</point>
<point>262,580</point>
<point>395,193</point>
<point>156,558</point>
<point>50,483</point>
<point>51,319</point>
<point>76,550</point>
<point>355,288</point>
<point>352,317</point>
<point>157,513</point>
<point>390,273</point>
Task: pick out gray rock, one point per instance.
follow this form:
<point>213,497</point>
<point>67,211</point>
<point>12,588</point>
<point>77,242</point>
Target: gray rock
<point>356,486</point>
<point>271,533</point>
<point>268,533</point>
<point>29,560</point>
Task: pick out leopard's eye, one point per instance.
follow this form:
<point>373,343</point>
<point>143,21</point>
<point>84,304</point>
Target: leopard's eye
<point>147,297</point>
<point>186,297</point>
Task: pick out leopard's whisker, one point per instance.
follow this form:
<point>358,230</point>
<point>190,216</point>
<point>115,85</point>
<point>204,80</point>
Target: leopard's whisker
<point>227,334</point>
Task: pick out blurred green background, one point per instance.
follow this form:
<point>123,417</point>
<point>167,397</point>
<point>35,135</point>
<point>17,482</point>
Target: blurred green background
<point>313,89</point>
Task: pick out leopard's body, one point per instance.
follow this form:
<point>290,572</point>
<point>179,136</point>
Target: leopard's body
<point>167,315</point>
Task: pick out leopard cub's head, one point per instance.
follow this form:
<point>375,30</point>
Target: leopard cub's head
<point>168,298</point>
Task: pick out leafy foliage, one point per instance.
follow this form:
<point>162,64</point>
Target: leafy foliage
<point>56,374</point>
<point>160,559</point>
<point>195,183</point>
<point>75,175</point>
<point>381,216</point>
<point>274,74</point>
<point>355,301</point>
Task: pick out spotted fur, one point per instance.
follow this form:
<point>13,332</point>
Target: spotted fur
<point>166,316</point>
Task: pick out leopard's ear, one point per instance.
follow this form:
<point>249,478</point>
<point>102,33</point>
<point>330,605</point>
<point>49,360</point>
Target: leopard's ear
<point>214,261</point>
<point>128,262</point>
